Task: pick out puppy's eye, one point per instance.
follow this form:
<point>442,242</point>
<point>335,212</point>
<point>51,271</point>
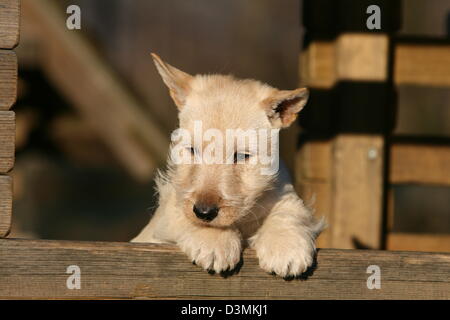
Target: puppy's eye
<point>241,157</point>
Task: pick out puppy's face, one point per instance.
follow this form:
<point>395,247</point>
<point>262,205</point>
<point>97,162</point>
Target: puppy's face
<point>225,153</point>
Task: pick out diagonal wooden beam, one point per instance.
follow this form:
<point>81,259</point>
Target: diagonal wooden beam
<point>95,91</point>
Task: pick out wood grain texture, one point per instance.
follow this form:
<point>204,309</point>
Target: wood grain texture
<point>422,64</point>
<point>362,57</point>
<point>365,57</point>
<point>317,65</point>
<point>37,269</point>
<point>423,110</point>
<point>9,23</point>
<point>317,195</point>
<point>5,205</point>
<point>314,161</point>
<point>8,79</point>
<point>418,242</point>
<point>313,182</point>
<point>422,164</point>
<point>357,189</point>
<point>346,185</point>
<point>7,137</point>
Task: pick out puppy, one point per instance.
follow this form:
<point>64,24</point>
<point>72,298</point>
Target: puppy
<point>213,206</point>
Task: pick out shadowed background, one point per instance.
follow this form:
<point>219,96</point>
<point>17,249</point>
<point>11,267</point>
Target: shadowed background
<point>72,180</point>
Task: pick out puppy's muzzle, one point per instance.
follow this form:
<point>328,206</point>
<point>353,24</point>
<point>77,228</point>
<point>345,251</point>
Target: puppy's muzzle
<point>205,212</point>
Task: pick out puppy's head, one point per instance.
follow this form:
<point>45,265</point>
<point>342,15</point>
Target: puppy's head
<point>224,155</point>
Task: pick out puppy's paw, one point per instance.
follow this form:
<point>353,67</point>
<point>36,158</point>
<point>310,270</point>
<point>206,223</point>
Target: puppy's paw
<point>213,249</point>
<point>286,256</point>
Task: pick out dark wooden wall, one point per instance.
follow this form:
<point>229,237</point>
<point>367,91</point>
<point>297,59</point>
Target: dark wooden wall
<point>249,39</point>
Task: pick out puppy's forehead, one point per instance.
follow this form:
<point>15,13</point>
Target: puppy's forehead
<point>223,102</point>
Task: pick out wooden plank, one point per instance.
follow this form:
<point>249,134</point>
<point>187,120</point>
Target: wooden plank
<point>424,18</point>
<point>418,242</point>
<point>9,23</point>
<point>100,97</point>
<point>314,161</point>
<point>422,64</point>
<point>357,160</point>
<point>351,56</point>
<point>5,205</point>
<point>365,57</point>
<point>390,209</point>
<point>8,79</point>
<point>362,57</point>
<point>357,188</point>
<point>317,195</point>
<point>37,269</point>
<point>350,180</point>
<point>345,177</point>
<point>317,65</point>
<point>423,110</point>
<point>423,164</point>
<point>313,182</point>
<point>421,209</point>
<point>7,137</point>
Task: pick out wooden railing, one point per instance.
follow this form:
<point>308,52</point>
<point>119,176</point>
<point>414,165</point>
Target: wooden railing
<point>38,269</point>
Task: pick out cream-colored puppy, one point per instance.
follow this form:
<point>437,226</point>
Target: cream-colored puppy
<point>212,210</point>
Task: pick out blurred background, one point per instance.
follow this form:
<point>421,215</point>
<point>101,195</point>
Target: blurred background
<point>93,118</point>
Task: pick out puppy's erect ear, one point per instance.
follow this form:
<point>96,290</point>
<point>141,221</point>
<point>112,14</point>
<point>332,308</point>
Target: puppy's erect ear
<point>283,106</point>
<point>176,80</point>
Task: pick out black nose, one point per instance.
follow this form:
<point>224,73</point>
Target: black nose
<point>205,212</point>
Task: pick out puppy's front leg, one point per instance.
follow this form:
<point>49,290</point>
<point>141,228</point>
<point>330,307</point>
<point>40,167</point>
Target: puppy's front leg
<point>212,248</point>
<point>285,242</point>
